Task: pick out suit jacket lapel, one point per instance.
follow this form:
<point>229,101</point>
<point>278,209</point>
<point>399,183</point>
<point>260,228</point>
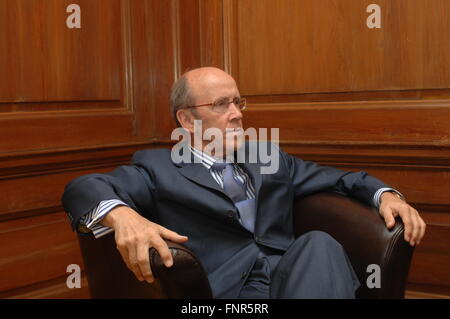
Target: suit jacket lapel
<point>198,174</point>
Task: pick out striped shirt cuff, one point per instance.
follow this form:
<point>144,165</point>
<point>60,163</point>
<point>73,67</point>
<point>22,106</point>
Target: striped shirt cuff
<point>92,219</point>
<point>378,193</point>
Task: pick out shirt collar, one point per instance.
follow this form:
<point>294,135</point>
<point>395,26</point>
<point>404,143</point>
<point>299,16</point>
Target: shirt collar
<point>206,159</point>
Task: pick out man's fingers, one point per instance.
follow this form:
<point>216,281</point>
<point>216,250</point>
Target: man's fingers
<point>416,227</point>
<point>389,218</point>
<point>407,221</point>
<point>423,226</point>
<point>133,263</point>
<point>420,224</point>
<point>163,251</point>
<point>144,263</point>
<point>173,236</point>
<point>128,253</point>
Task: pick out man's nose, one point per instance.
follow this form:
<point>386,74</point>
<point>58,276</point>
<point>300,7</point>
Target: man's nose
<point>235,111</point>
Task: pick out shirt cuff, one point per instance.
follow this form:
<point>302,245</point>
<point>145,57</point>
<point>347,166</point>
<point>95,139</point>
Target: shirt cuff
<point>378,193</point>
<point>92,219</point>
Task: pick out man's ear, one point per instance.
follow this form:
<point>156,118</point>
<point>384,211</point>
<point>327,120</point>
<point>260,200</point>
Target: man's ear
<point>186,120</point>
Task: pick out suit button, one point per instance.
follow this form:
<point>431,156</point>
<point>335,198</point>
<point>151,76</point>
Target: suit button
<point>256,238</point>
<point>230,214</point>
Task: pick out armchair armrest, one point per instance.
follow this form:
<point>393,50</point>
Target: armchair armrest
<point>364,236</point>
<point>186,279</point>
<point>109,277</point>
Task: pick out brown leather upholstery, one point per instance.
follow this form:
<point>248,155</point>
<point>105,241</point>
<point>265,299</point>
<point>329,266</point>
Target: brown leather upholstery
<point>357,227</point>
<point>109,277</point>
<point>186,278</point>
<point>365,238</point>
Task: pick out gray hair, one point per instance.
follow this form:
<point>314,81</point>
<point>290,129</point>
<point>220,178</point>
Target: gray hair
<point>180,97</point>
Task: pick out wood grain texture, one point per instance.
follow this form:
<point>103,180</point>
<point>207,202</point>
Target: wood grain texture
<point>435,250</point>
<point>325,46</point>
<point>39,248</point>
<point>50,289</point>
<point>105,56</point>
<point>46,61</point>
<point>79,101</point>
<point>382,122</point>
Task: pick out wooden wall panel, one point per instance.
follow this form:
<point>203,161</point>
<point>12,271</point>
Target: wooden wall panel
<point>64,84</point>
<point>79,101</point>
<point>325,46</point>
<point>84,62</point>
<point>433,250</point>
<point>20,195</point>
<point>384,122</point>
<point>39,248</point>
<point>51,289</point>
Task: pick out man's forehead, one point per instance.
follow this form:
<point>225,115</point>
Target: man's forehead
<point>211,81</point>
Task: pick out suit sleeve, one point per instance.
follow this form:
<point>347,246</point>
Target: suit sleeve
<point>309,177</point>
<point>132,184</point>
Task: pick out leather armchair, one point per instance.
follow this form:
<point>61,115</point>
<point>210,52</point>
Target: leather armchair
<point>359,229</point>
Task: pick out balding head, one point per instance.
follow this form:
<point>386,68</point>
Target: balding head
<point>205,79</point>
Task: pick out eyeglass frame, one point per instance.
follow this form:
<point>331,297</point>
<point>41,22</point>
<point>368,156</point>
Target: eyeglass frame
<point>228,104</point>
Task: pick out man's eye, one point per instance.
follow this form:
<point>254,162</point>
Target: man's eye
<point>221,103</point>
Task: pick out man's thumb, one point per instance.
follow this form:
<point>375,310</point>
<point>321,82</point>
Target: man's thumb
<point>173,236</point>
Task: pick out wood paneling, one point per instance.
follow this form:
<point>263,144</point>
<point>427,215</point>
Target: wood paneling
<point>51,289</point>
<point>433,250</point>
<point>46,61</point>
<point>38,248</point>
<point>67,83</point>
<point>325,46</point>
<point>20,194</point>
<point>382,122</point>
<point>75,101</point>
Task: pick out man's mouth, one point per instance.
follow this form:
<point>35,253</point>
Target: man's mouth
<point>234,131</point>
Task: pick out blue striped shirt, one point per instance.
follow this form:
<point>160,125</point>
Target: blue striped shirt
<point>93,218</point>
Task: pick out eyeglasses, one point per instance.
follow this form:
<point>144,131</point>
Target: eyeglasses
<point>222,105</point>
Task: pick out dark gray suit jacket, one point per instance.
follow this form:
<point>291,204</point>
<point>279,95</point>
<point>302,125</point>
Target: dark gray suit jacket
<point>185,198</point>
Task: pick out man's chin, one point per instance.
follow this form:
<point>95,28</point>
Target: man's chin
<point>234,145</point>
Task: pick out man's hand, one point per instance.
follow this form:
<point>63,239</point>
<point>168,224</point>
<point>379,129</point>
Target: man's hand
<point>392,206</point>
<point>135,235</point>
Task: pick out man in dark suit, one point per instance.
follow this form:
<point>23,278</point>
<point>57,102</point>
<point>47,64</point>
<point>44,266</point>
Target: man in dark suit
<point>238,220</point>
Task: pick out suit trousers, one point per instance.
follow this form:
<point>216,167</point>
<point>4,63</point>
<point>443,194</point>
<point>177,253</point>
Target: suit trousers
<point>314,266</point>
